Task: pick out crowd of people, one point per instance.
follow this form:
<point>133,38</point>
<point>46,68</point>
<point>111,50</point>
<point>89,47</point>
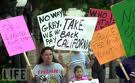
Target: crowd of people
<point>50,70</point>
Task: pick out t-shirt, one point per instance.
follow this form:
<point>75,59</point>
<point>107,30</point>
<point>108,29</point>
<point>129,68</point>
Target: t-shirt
<point>80,59</point>
<point>48,73</point>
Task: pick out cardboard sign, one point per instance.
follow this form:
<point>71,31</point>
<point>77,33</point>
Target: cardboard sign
<point>76,34</point>
<point>50,25</point>
<point>16,36</point>
<point>86,81</point>
<point>105,17</point>
<point>107,44</point>
<point>124,13</point>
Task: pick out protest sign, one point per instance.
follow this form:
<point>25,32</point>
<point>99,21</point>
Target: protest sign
<point>107,44</point>
<point>86,81</point>
<point>50,25</point>
<point>76,33</point>
<point>105,17</point>
<point>124,15</point>
<point>130,1</point>
<point>16,36</point>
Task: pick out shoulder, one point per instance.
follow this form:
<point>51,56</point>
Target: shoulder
<point>36,69</point>
<point>83,54</point>
<point>57,64</point>
<point>37,66</point>
<point>128,60</point>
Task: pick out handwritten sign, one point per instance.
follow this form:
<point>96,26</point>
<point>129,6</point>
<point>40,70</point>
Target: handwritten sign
<point>16,36</point>
<point>76,34</point>
<point>124,13</point>
<point>50,24</point>
<point>86,81</point>
<point>107,44</point>
<point>105,17</point>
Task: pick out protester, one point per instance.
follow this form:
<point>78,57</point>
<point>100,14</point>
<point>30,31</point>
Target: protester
<point>129,65</point>
<point>98,71</point>
<point>78,74</point>
<point>47,70</point>
<point>76,58</point>
<point>79,58</point>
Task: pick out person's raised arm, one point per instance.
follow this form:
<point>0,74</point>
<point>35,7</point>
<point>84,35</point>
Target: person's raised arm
<point>60,57</point>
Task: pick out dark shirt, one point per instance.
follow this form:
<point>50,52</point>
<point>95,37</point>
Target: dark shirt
<point>129,65</point>
<point>97,67</point>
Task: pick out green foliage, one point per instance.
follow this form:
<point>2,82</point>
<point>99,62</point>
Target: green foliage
<point>49,5</point>
<point>53,4</point>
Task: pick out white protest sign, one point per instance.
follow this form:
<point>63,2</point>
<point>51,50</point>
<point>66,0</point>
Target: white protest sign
<point>89,23</point>
<point>76,33</point>
<point>86,81</point>
<point>50,24</point>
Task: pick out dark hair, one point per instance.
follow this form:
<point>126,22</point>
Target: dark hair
<point>77,67</point>
<point>44,49</point>
<point>40,60</point>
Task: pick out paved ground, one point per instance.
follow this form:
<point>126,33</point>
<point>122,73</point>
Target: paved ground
<point>111,81</point>
<point>107,80</point>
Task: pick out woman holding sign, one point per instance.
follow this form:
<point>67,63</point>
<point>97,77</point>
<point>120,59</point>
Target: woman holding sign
<point>46,70</point>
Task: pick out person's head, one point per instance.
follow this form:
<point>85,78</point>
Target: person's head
<point>78,71</point>
<point>46,56</point>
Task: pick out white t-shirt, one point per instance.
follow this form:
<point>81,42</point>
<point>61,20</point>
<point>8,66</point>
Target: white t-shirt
<point>52,73</point>
<point>80,59</point>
